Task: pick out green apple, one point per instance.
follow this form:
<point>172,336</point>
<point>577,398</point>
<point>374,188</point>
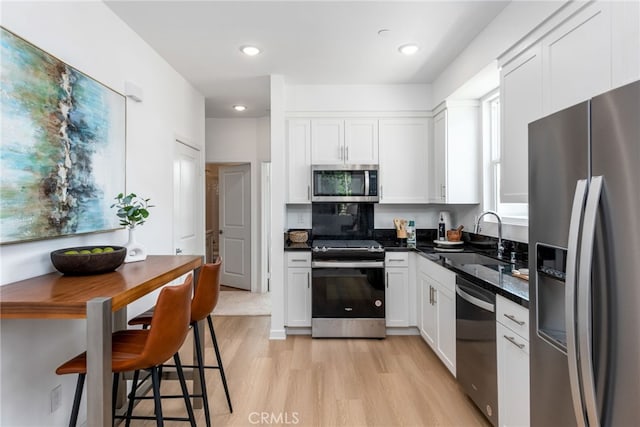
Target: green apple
<point>85,251</point>
<point>71,253</point>
<point>107,249</point>
<point>96,250</point>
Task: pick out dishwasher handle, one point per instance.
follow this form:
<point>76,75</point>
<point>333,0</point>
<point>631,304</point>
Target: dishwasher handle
<point>485,305</point>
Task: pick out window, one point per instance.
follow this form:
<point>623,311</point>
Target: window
<point>515,213</point>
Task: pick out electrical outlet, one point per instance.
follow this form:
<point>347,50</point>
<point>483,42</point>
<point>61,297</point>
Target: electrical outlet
<point>56,397</point>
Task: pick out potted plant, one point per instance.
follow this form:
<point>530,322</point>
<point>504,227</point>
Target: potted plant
<point>132,210</point>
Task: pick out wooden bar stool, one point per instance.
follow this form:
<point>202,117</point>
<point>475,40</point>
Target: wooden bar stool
<point>133,350</point>
<point>204,301</point>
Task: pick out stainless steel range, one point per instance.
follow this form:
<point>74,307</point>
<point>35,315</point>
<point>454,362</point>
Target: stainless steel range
<point>348,294</point>
<point>347,266</point>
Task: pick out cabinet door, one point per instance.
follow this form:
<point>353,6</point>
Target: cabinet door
<point>513,378</point>
<point>298,297</point>
<point>397,297</point>
<point>299,161</point>
<point>403,160</point>
<point>361,141</point>
<point>327,141</point>
<point>427,311</point>
<point>521,103</point>
<point>578,58</point>
<point>439,158</point>
<point>445,303</point>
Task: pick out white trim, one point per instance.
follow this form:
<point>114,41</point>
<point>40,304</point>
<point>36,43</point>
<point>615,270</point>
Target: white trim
<point>277,334</point>
<point>358,114</point>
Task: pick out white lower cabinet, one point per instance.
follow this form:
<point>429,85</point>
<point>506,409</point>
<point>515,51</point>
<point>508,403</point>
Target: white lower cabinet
<point>397,289</point>
<point>438,310</point>
<point>513,363</point>
<point>298,289</point>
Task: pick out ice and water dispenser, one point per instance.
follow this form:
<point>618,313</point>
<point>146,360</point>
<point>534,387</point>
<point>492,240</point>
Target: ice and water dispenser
<point>551,273</point>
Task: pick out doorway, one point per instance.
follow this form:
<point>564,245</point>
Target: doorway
<point>228,221</point>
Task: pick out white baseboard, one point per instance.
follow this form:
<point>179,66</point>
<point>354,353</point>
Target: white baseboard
<point>277,334</point>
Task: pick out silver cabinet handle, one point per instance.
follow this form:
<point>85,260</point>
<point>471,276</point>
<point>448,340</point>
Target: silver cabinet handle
<point>308,192</point>
<point>342,153</point>
<point>513,319</point>
<point>347,155</point>
<point>387,280</point>
<point>513,341</point>
<point>308,280</point>
<point>584,300</point>
<point>381,192</point>
<point>570,299</point>
<point>442,191</point>
<point>430,295</point>
<point>395,260</point>
<point>298,260</point>
<point>178,251</point>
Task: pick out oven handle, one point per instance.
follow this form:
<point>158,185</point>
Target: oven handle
<point>475,301</point>
<point>338,264</point>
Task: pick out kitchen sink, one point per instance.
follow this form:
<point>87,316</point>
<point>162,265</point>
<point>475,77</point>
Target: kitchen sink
<point>472,258</point>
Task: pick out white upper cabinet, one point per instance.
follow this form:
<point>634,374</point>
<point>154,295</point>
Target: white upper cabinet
<point>361,141</point>
<point>577,55</point>
<point>299,161</point>
<point>339,141</point>
<point>327,141</point>
<point>521,103</point>
<point>403,160</point>
<point>456,154</point>
<point>583,50</point>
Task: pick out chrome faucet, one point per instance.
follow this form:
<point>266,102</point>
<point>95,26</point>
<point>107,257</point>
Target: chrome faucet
<point>476,230</point>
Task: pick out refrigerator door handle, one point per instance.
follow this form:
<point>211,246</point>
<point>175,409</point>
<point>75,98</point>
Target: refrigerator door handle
<point>584,300</point>
<point>577,209</point>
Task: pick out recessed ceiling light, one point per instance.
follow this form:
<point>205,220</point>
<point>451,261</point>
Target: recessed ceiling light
<point>239,107</point>
<point>250,50</point>
<point>409,49</point>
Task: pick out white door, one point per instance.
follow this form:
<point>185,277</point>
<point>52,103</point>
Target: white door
<point>235,225</point>
<point>187,207</point>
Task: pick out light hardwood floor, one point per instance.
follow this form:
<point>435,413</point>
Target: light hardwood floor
<point>301,381</point>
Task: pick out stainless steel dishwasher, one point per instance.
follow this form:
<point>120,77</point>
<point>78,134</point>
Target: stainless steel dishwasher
<point>476,360</point>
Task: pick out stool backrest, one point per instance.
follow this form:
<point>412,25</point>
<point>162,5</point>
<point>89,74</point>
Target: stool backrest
<point>207,291</point>
<point>170,323</point>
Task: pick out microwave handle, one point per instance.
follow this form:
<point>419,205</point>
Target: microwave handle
<point>366,183</point>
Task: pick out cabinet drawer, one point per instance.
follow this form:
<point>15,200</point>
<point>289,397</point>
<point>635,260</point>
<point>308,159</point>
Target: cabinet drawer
<point>298,259</point>
<point>396,259</point>
<point>513,316</point>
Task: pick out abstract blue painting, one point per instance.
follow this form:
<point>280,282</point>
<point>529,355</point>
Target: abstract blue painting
<point>62,152</point>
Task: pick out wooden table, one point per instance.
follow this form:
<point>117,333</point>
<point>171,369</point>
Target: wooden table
<point>54,296</point>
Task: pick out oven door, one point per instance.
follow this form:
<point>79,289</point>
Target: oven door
<point>347,289</point>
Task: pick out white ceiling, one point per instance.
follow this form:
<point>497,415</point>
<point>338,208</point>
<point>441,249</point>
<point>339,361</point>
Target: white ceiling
<point>309,42</point>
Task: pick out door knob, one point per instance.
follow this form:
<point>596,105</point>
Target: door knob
<point>220,232</point>
<point>178,251</point>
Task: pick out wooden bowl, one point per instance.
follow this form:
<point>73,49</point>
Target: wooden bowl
<point>84,264</point>
<point>454,235</point>
<point>298,236</point>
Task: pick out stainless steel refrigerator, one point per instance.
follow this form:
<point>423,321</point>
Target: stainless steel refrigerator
<point>584,252</point>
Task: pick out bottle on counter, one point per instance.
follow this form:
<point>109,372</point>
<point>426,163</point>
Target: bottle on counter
<point>411,234</point>
<point>442,228</point>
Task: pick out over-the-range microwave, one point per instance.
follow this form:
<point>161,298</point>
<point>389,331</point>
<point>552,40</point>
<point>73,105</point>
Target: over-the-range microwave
<point>344,183</point>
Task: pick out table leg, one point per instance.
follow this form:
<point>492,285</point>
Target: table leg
<point>197,386</point>
<point>119,324</point>
<point>99,362</point>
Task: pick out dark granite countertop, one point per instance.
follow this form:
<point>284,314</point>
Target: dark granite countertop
<point>493,277</point>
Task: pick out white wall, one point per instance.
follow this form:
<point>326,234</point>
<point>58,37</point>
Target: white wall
<point>362,98</point>
<point>88,36</point>
<point>242,140</point>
